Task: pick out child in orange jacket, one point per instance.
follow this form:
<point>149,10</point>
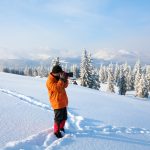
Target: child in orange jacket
<point>56,83</point>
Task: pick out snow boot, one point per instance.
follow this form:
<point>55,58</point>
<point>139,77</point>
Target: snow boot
<point>62,129</point>
<point>57,130</point>
<point>62,124</point>
<point>58,134</point>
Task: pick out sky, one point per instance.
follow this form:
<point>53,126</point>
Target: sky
<point>48,28</point>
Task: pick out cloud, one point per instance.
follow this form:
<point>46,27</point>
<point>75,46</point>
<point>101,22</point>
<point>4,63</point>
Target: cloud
<point>104,54</point>
<point>36,53</point>
<point>121,55</point>
<point>123,52</point>
<point>118,55</point>
<point>46,52</point>
<point>6,53</point>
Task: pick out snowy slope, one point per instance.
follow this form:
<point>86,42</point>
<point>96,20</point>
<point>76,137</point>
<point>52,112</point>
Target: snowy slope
<point>96,120</point>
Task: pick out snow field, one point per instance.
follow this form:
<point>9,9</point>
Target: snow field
<point>76,126</point>
<point>96,120</point>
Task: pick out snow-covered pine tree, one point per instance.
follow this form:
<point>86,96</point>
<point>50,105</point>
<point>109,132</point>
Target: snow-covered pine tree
<point>88,76</point>
<point>122,84</point>
<point>65,67</point>
<point>120,74</point>
<point>96,82</point>
<point>111,68</point>
<point>106,73</point>
<point>110,82</point>
<point>35,72</point>
<point>28,71</point>
<point>130,83</point>
<point>55,61</point>
<point>132,80</point>
<point>137,67</point>
<point>89,70</point>
<point>137,79</point>
<point>93,78</point>
<point>6,69</point>
<point>42,72</point>
<point>148,76</point>
<point>1,68</point>
<point>126,69</point>
<point>83,68</point>
<point>144,69</point>
<point>74,69</point>
<point>142,88</point>
<point>116,73</point>
<point>102,74</point>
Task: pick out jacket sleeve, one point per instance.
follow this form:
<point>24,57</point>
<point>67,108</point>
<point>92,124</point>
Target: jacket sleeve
<point>55,86</point>
<point>66,84</point>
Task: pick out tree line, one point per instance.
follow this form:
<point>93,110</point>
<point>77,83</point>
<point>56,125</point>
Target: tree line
<point>123,76</point>
<point>41,71</point>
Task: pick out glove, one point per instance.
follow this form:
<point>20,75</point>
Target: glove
<point>63,76</point>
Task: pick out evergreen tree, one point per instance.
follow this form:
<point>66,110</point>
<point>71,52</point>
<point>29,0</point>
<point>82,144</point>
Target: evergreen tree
<point>6,69</point>
<point>28,71</point>
<point>105,73</point>
<point>122,85</point>
<point>88,76</point>
<point>65,67</point>
<point>125,70</point>
<point>35,72</point>
<point>96,84</point>
<point>117,72</point>
<point>83,68</point>
<point>42,72</point>
<point>132,81</point>
<point>120,74</point>
<point>110,82</point>
<point>137,68</point>
<point>111,68</point>
<point>55,61</point>
<point>142,88</point>
<point>148,76</point>
<point>137,79</point>
<point>102,74</point>
<point>144,69</point>
<point>74,69</point>
<point>1,68</point>
<point>93,79</point>
<point>130,84</point>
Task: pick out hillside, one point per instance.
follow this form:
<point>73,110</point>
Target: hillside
<point>96,119</point>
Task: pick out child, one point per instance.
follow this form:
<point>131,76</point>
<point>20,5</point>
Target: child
<point>56,83</point>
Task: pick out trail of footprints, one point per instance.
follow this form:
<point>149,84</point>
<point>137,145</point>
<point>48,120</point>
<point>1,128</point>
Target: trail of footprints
<point>76,126</point>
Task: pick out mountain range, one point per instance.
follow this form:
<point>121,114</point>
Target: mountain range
<point>99,58</point>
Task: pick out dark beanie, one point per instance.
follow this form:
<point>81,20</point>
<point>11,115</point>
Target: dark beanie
<point>57,69</point>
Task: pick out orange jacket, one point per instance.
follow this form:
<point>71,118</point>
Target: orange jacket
<point>57,93</point>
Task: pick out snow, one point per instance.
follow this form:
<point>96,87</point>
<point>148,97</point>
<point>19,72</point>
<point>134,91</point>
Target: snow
<point>96,119</point>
